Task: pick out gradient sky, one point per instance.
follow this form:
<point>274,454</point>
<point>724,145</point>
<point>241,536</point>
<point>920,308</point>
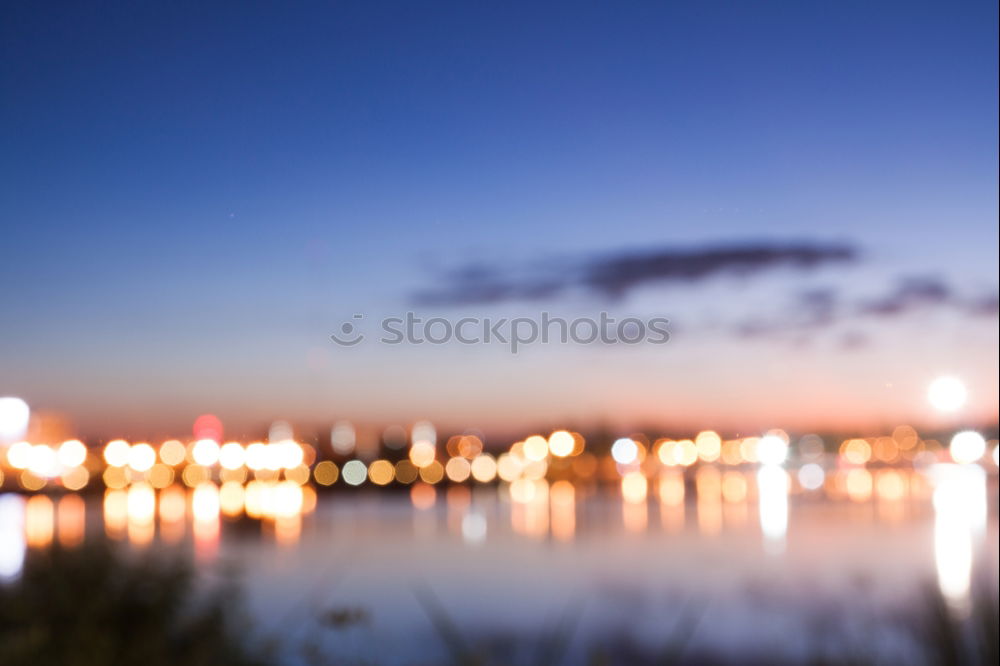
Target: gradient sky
<point>194,197</point>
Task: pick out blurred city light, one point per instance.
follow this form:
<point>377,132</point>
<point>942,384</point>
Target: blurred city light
<point>947,394</point>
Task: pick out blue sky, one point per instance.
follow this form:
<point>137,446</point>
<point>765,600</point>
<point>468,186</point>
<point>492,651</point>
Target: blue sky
<point>194,197</point>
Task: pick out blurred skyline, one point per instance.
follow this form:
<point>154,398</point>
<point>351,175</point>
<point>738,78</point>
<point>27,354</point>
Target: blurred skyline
<point>195,198</point>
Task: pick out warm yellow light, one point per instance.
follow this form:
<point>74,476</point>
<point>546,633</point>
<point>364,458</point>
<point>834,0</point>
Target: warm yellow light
<point>406,472</point>
<point>634,487</point>
<point>231,498</point>
<point>326,473</point>
<point>709,446</point>
<point>205,452</point>
<point>734,487</point>
<point>458,470</point>
<point>141,457</point>
<point>75,478</point>
<point>194,475</point>
<point>731,452</point>
<point>238,475</point>
<point>432,473</point>
<point>31,481</point>
<point>422,496</point>
<point>114,477</point>
<point>890,485</point>
<point>665,451</point>
<point>671,488</point>
<point>535,469</point>
<point>286,499</point>
<point>859,484</point>
<point>19,455</point>
<point>685,453</point>
<point>71,519</point>
<point>536,448</point>
<point>116,453</point>
<point>255,498</point>
<point>141,503</point>
<point>298,475</point>
<point>172,452</point>
<point>885,449</point>
<point>748,449</point>
<point>291,454</point>
<point>160,475</point>
<point>256,456</point>
<point>469,446</point>
<point>115,511</point>
<point>561,443</point>
<point>484,468</point>
<point>205,501</point>
<point>381,472</point>
<point>172,505</point>
<point>508,467</point>
<point>232,455</point>
<point>523,491</point>
<point>856,451</point>
<point>309,499</point>
<point>72,453</point>
<point>39,521</point>
<point>422,453</point>
<point>44,461</point>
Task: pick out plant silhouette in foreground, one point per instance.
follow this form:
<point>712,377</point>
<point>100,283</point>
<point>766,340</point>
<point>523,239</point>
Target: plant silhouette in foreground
<point>99,605</point>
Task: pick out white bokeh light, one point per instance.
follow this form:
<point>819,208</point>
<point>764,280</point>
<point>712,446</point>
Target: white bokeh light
<point>947,394</point>
<point>205,452</point>
<point>624,451</point>
<point>14,415</point>
<point>811,476</point>
<point>772,450</point>
<point>967,447</point>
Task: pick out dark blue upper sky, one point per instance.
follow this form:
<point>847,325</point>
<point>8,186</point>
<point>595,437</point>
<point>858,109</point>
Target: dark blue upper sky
<point>193,196</point>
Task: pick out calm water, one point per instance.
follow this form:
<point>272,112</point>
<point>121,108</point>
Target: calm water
<point>766,574</point>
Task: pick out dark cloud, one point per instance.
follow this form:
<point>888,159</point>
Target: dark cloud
<point>615,275</point>
<point>816,307</point>
<point>912,293</point>
<point>984,306</point>
<point>484,286</point>
<point>853,340</point>
<point>810,310</point>
<point>924,292</point>
<point>818,310</point>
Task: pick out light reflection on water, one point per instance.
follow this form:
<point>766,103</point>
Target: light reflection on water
<point>772,491</point>
<point>548,541</point>
<point>960,515</point>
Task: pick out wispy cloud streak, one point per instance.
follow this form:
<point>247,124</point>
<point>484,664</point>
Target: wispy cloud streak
<point>614,275</point>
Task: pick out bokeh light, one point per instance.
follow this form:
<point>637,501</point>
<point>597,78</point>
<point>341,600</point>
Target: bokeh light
<point>72,453</point>
<point>14,417</point>
<point>354,472</point>
<point>947,394</point>
<point>141,457</point>
<point>967,447</point>
<point>205,452</point>
<point>561,443</point>
<point>624,451</point>
<point>116,453</point>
